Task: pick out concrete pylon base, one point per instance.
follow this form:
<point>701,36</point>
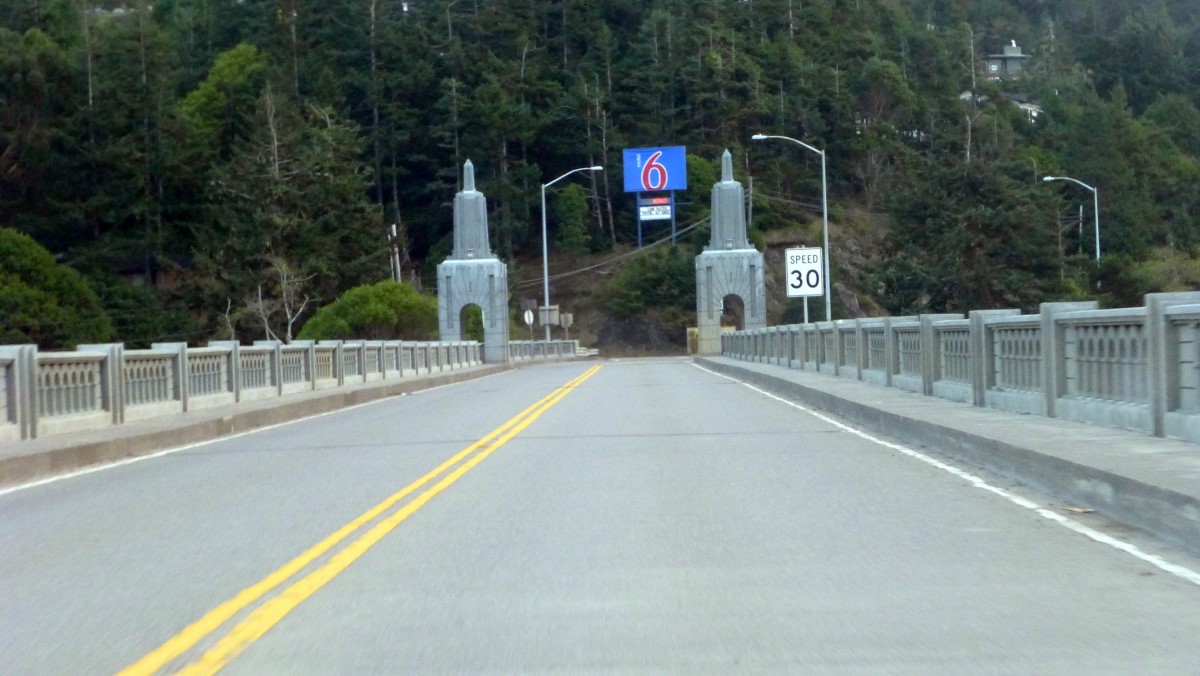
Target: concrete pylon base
<point>475,282</point>
<point>736,272</point>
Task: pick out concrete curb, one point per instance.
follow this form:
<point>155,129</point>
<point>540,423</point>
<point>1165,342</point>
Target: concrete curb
<point>59,454</point>
<point>1136,499</point>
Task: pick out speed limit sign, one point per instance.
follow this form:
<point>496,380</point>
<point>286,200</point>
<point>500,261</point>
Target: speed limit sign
<point>804,272</point>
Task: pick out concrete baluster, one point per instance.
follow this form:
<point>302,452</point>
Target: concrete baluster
<point>276,363</point>
<point>310,361</point>
<point>234,365</point>
<point>982,354</point>
<point>1054,373</point>
<point>931,350</point>
<point>338,361</point>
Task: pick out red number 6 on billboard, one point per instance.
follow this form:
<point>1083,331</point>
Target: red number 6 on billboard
<point>653,170</point>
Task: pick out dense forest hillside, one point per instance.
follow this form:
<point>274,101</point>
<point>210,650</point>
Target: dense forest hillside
<point>226,156</point>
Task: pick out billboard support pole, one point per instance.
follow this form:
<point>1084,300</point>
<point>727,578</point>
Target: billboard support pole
<point>640,221</point>
<point>672,218</point>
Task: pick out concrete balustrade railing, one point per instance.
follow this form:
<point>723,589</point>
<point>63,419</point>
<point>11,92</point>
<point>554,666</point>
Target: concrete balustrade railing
<point>96,386</point>
<point>1134,368</point>
<point>520,350</point>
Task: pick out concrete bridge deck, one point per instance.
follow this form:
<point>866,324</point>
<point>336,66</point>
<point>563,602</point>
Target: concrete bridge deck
<point>1148,483</point>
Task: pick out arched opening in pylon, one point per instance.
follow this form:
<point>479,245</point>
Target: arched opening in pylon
<point>733,311</point>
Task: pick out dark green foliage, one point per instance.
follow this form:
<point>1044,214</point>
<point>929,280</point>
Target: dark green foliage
<point>44,303</point>
<point>382,311</point>
<point>570,209</point>
<point>473,323</point>
<point>978,240</point>
<point>141,316</point>
<point>220,110</point>
<point>661,283</point>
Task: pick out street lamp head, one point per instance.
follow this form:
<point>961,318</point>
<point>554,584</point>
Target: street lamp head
<point>1046,179</point>
<point>758,137</point>
<point>597,168</point>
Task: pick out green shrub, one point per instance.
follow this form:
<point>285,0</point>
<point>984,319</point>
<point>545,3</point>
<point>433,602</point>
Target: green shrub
<point>383,311</point>
<point>473,323</point>
<point>44,303</point>
<point>661,283</point>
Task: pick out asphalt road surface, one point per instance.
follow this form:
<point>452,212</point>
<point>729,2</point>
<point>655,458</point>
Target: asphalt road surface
<point>640,516</point>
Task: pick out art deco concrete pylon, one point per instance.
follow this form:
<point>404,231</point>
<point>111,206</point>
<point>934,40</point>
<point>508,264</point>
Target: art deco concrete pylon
<point>729,265</point>
<point>473,276</point>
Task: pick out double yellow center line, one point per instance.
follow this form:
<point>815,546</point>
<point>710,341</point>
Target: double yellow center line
<point>268,614</point>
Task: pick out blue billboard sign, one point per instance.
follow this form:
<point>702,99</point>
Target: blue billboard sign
<point>655,169</point>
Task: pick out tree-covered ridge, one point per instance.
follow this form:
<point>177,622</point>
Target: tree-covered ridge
<point>212,144</point>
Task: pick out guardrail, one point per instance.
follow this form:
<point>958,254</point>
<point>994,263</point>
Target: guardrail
<point>96,386</point>
<point>520,350</point>
<point>1134,368</point>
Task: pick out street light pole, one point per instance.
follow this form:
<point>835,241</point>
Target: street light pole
<point>1095,205</point>
<point>824,215</point>
<point>545,250</point>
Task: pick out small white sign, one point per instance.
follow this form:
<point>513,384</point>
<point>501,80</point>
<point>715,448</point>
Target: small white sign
<point>529,317</point>
<point>655,213</point>
<point>805,274</point>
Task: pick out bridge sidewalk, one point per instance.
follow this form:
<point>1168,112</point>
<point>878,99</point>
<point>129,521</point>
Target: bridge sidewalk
<point>1147,483</point>
<point>25,461</point>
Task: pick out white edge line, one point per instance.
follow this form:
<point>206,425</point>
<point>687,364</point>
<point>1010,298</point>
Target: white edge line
<point>129,461</point>
<point>1070,524</point>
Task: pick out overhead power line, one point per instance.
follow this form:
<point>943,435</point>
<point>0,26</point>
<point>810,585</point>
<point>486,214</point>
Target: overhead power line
<point>816,208</point>
<point>636,252</point>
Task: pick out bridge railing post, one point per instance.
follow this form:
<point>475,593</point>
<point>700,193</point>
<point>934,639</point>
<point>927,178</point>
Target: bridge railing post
<point>179,367</point>
<point>891,347</point>
<point>20,390</point>
<point>789,340</point>
<point>1163,358</point>
<point>839,347</point>
<point>233,361</point>
<point>112,378</point>
<point>862,350</point>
